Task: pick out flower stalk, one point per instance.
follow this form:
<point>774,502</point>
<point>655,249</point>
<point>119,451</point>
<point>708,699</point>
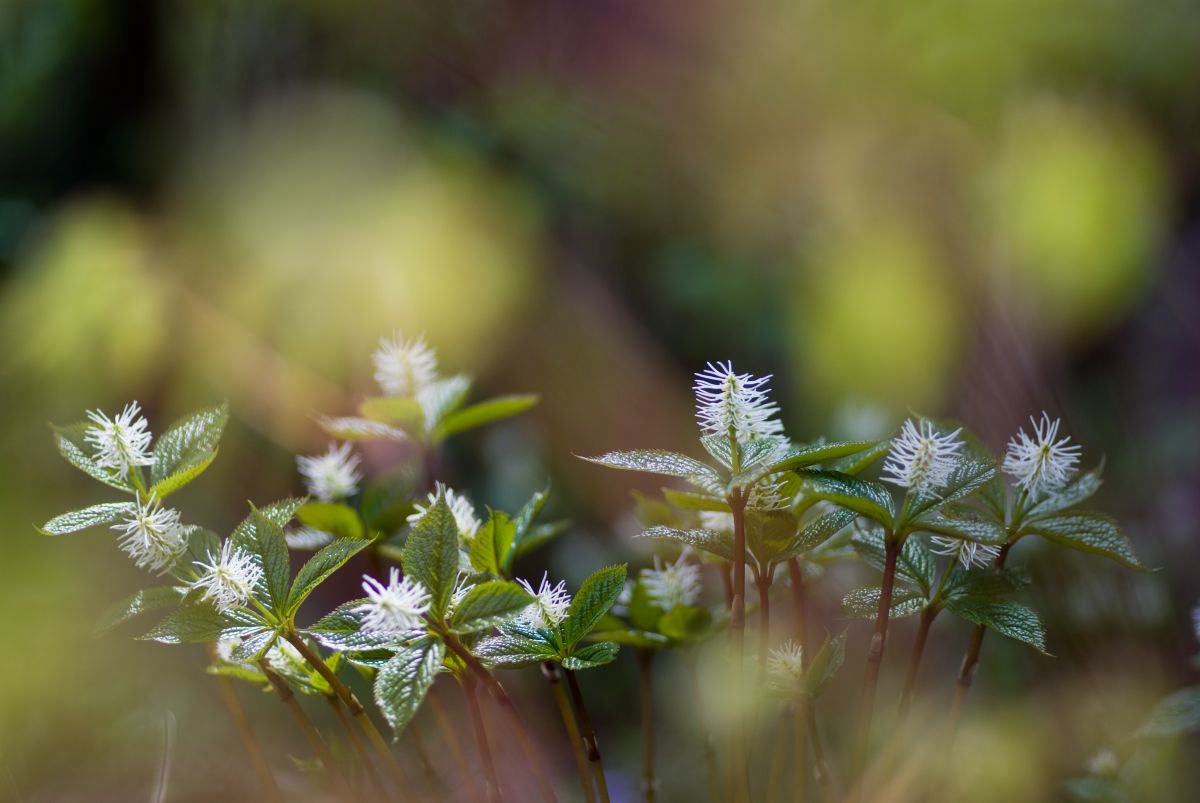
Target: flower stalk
<point>645,659</point>
<point>250,743</point>
<point>870,684</point>
<point>553,675</point>
<point>590,746</point>
<point>490,781</point>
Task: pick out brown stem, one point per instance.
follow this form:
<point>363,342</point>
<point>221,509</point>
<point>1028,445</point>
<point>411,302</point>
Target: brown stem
<point>590,745</point>
<point>646,677</point>
<point>970,664</point>
<point>866,703</point>
<point>553,675</point>
<point>799,606</point>
<point>360,748</point>
<point>250,743</point>
<point>490,782</point>
<point>740,779</point>
<point>726,582</point>
<point>763,581</point>
<point>450,736</point>
<point>914,665</point>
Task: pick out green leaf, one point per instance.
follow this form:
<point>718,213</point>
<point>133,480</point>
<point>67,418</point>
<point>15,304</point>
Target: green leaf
<point>319,567</point>
<point>1175,715</point>
<point>979,530</point>
<point>914,564</point>
<point>868,498</point>
<point>144,601</point>
<point>818,531</point>
<point>195,623</point>
<point>431,553</point>
<point>984,584</point>
<point>76,450</point>
<point>508,650</point>
<point>333,518</point>
<point>252,645</point>
<point>270,546</point>
<point>803,456</point>
<point>711,541</point>
<point>403,682</point>
<point>863,603</point>
<point>1007,618</point>
<point>280,513</point>
<point>482,413</point>
<point>538,535</point>
<point>685,623</point>
<point>341,630</point>
<point>360,429</point>
<point>187,446</point>
<point>758,450</point>
<point>401,411</point>
<point>487,605</point>
<point>202,545</point>
<point>187,473</point>
<point>1087,532</point>
<point>593,655</point>
<point>595,597</point>
<point>856,463</point>
<point>631,637</point>
<point>1079,489</point>
<point>768,533</point>
<point>825,664</point>
<point>968,476</point>
<point>687,500</point>
<point>442,398</point>
<point>94,516</point>
<point>659,461</point>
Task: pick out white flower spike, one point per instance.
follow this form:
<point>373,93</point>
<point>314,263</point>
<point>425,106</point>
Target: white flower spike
<point>727,400</point>
<point>465,519</point>
<point>672,584</point>
<point>331,476</point>
<point>393,610</point>
<point>550,607</point>
<point>968,553</point>
<point>404,367</point>
<point>785,668</point>
<point>228,579</point>
<point>153,536</point>
<point>122,442</point>
<point>921,458</point>
<point>1041,463</point>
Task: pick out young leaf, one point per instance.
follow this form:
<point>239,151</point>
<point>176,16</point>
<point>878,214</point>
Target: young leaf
<point>319,567</point>
<point>341,630</point>
<point>431,553</point>
<point>1087,532</point>
<point>685,623</point>
<point>1007,618</point>
<point>144,601</point>
<point>189,442</point>
<point>331,517</point>
<point>856,463</point>
<point>863,603</point>
<point>266,542</point>
<point>360,429</point>
<point>399,411</point>
<point>818,531</point>
<point>868,498</point>
<point>803,456</point>
<point>687,500</point>
<point>914,564</point>
<point>514,651</point>
<point>483,413</point>
<point>188,472</point>
<point>403,682</point>
<point>93,516</point>
<point>491,549</point>
<point>75,449</point>
<point>442,398</point>
<point>969,475</point>
<point>593,655</point>
<point>595,597</point>
<point>488,604</point>
<point>1175,715</point>
<point>195,623</point>
<point>537,535</point>
<point>659,461</point>
<point>979,530</point>
<point>825,664</point>
<point>710,541</point>
<point>1079,489</point>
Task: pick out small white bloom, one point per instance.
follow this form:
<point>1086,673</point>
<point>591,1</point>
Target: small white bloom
<point>921,458</point>
<point>393,610</point>
<point>287,660</point>
<point>226,646</point>
<point>550,607</point>
<point>460,506</point>
<point>122,442</point>
<point>727,400</point>
<point>968,553</point>
<point>305,537</point>
<point>439,396</point>
<point>672,584</point>
<point>1041,463</point>
<point>785,668</point>
<point>229,578</point>
<point>404,367</point>
<point>333,475</point>
<point>153,536</point>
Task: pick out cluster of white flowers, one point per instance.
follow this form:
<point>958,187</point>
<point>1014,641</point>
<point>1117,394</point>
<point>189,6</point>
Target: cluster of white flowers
<point>153,536</point>
<point>1041,463</point>
<point>672,584</point>
<point>725,400</point>
<point>122,442</point>
<point>550,606</point>
<point>333,475</point>
<point>968,553</point>
<point>785,668</point>
<point>287,660</point>
<point>394,610</point>
<point>404,367</point>
<point>229,578</point>
<point>921,458</point>
<point>465,519</point>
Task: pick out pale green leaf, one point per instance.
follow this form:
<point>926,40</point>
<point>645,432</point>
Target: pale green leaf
<point>319,568</point>
<point>595,597</point>
<point>76,450</point>
<point>487,605</point>
<point>1007,618</point>
<point>94,516</point>
<point>659,461</point>
<point>486,412</point>
<point>863,603</point>
<point>403,682</point>
<point>1087,532</point>
<point>711,541</point>
<point>189,442</point>
<point>868,498</point>
<point>593,655</point>
<point>336,519</point>
<point>144,601</point>
<point>431,554</point>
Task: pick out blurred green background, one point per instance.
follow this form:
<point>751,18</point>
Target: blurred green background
<point>979,210</point>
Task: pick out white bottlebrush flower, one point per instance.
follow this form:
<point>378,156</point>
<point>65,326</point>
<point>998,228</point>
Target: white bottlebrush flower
<point>727,400</point>
<point>921,458</point>
<point>228,579</point>
<point>465,519</point>
<point>1041,463</point>
<point>333,475</point>
<point>785,668</point>
<point>404,367</point>
<point>968,553</point>
<point>550,607</point>
<point>153,536</point>
<point>225,648</point>
<point>287,660</point>
<point>393,610</point>
<point>122,442</point>
<point>672,584</point>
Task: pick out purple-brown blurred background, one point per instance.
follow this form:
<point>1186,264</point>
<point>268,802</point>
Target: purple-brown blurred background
<point>979,210</point>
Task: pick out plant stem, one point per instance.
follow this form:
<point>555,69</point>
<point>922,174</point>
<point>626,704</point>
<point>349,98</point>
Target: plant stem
<point>763,581</point>
<point>491,782</point>
<point>250,743</point>
<point>740,779</point>
<point>553,675</point>
<point>450,737</point>
<point>645,660</point>
<point>970,663</point>
<point>510,709</point>
<point>799,606</point>
<point>359,747</point>
<point>866,703</point>
<point>778,757</point>
<point>727,582</point>
<point>590,745</point>
<point>800,747</point>
<point>306,727</point>
<point>914,665</point>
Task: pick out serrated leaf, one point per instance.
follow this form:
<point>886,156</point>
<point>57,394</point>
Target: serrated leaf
<point>74,448</point>
<point>659,461</point>
<point>485,412</point>
<point>493,543</point>
<point>984,584</point>
<point>630,637</point>
<point>1080,488</point>
<point>487,605</point>
<point>866,497</point>
<point>818,531</point>
<point>758,450</point>
<point>1007,618</point>
<point>768,532</point>
<point>196,623</point>
<point>825,664</point>
<point>595,597</point>
<point>349,428</point>
<point>593,655</point>
<point>271,548</point>
<point>685,623</point>
<point>144,601</point>
<point>1175,715</point>
<point>978,530</point>
<point>863,603</point>
<point>431,554</point>
<point>403,682</point>
<point>341,630</point>
<point>94,516</point>
<point>804,456</point>
<point>252,645</point>
<point>514,651</point>
<point>711,541</point>
<point>538,535</point>
<point>185,474</point>
<point>687,500</point>
<point>319,567</point>
<point>855,464</point>
<point>188,443</point>
<point>1087,532</point>
<point>968,476</point>
<point>333,518</point>
<point>914,564</point>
